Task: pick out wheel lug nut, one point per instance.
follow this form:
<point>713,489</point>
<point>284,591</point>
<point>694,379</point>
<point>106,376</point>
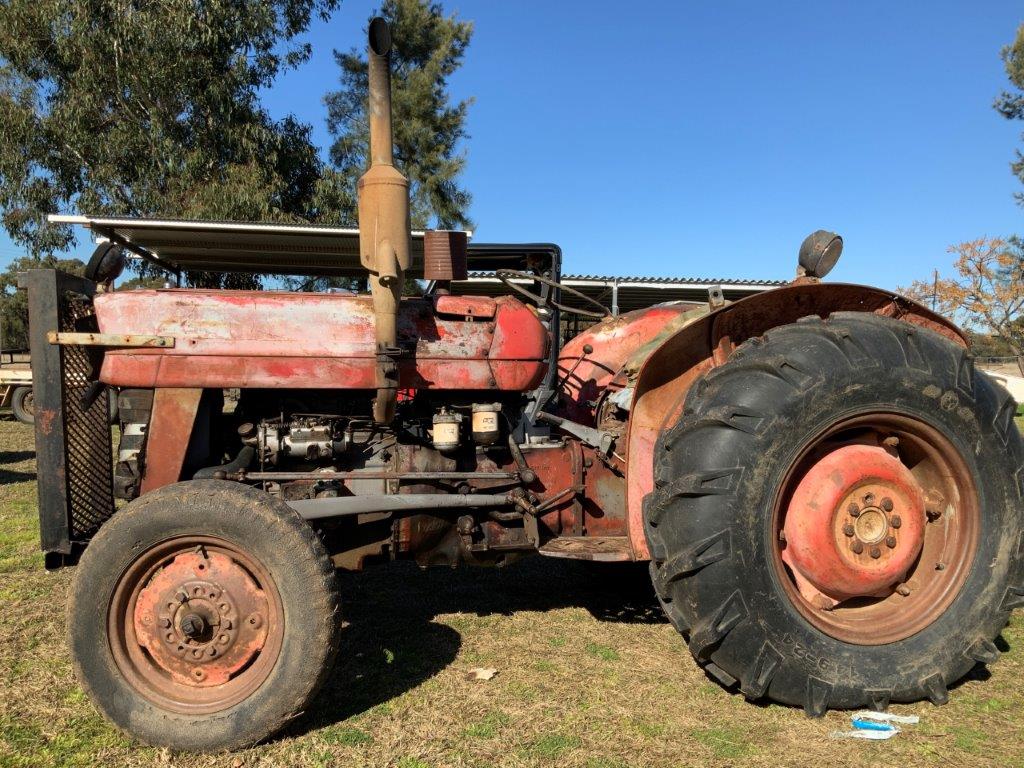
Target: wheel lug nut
<point>876,553</point>
<point>869,498</point>
<point>887,504</point>
<point>853,509</point>
<point>848,529</point>
<point>890,542</point>
<point>903,589</point>
<point>165,623</point>
<point>895,521</point>
<point>857,546</point>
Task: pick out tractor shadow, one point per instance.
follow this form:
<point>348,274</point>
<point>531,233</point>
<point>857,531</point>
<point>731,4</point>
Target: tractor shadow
<point>13,475</point>
<point>391,643</point>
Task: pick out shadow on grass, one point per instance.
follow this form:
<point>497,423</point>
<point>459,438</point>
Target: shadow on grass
<point>14,475</point>
<point>392,644</point>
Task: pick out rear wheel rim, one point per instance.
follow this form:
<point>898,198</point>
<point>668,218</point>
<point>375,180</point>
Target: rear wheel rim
<point>865,604</point>
<point>195,624</point>
<point>28,404</point>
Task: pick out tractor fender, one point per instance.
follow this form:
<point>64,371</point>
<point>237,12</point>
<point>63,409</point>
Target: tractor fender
<point>662,378</point>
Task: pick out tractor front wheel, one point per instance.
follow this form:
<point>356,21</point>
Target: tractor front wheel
<point>837,520</point>
<point>203,616</point>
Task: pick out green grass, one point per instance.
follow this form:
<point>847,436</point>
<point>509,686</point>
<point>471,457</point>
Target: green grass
<point>581,683</point>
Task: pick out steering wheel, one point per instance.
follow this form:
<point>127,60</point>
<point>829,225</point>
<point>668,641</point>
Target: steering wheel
<point>508,275</point>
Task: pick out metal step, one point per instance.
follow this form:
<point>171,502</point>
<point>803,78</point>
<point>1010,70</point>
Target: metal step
<point>612,549</point>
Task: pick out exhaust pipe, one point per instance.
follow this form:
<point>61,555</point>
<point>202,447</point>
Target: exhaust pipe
<point>383,223</point>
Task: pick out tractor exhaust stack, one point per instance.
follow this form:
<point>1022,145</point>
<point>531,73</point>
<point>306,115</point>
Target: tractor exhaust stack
<point>383,222</point>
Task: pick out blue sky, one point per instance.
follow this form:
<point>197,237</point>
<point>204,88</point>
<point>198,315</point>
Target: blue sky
<point>707,139</point>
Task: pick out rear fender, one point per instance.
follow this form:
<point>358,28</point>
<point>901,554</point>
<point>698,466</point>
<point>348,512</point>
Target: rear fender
<point>666,375</point>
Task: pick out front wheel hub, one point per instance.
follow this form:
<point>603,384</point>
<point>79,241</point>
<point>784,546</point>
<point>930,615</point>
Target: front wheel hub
<point>854,525</point>
<point>200,618</point>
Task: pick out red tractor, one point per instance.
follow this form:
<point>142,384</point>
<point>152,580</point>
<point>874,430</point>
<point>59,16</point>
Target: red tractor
<point>828,493</point>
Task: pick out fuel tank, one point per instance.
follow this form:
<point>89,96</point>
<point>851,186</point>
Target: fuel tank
<point>314,340</point>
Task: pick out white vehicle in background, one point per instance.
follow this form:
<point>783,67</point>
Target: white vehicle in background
<point>1012,384</point>
<point>16,385</point>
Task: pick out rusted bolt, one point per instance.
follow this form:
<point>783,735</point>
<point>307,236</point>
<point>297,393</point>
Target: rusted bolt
<point>887,504</point>
<point>940,566</point>
<point>848,530</point>
<point>223,639</point>
<point>224,607</point>
<point>169,637</point>
<point>890,542</point>
<point>895,521</point>
<point>197,653</point>
<point>165,623</point>
<point>903,589</point>
<point>857,546</point>
<point>869,498</point>
<point>227,624</point>
<point>211,651</point>
<point>192,625</point>
<point>876,553</point>
<point>181,597</point>
<point>198,674</point>
<point>214,594</point>
<point>853,509</point>
<point>255,620</point>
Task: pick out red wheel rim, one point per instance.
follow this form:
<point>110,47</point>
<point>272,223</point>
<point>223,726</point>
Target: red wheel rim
<point>195,624</point>
<point>876,528</point>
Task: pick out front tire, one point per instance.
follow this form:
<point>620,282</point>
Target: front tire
<point>789,421</point>
<point>203,616</point>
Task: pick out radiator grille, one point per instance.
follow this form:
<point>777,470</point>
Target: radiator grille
<point>88,446</point>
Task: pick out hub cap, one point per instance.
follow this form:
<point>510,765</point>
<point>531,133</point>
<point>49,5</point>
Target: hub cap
<point>854,526</point>
<point>875,528</point>
<point>195,624</point>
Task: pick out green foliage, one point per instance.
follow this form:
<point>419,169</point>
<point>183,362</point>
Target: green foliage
<point>428,48</point>
<point>14,309</point>
<point>121,107</point>
<point>1010,104</point>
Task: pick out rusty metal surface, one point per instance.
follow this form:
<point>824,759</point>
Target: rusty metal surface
<point>196,624</point>
<point>444,255</point>
<point>932,470</point>
<point>108,340</point>
<point>667,371</point>
<point>584,376</point>
<point>384,224</point>
<point>170,427</point>
<point>302,340</point>
<point>202,618</point>
<point>854,525</point>
<point>73,444</point>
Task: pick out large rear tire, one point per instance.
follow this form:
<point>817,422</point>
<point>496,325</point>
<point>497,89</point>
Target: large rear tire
<point>874,446</point>
<point>203,616</point>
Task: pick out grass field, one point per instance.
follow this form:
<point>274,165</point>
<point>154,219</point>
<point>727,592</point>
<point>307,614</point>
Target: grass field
<point>588,675</point>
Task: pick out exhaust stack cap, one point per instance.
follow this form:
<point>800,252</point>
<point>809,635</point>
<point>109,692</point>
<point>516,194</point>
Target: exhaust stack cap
<point>380,36</point>
<point>819,253</point>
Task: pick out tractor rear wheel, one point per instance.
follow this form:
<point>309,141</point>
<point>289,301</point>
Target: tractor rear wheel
<point>203,616</point>
<point>837,520</point>
<point>23,405</point>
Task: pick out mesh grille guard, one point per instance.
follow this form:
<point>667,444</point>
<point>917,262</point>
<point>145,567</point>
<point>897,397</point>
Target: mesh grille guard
<point>74,462</point>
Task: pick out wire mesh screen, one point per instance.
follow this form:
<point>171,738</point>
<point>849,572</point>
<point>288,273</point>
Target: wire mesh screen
<point>88,462</point>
